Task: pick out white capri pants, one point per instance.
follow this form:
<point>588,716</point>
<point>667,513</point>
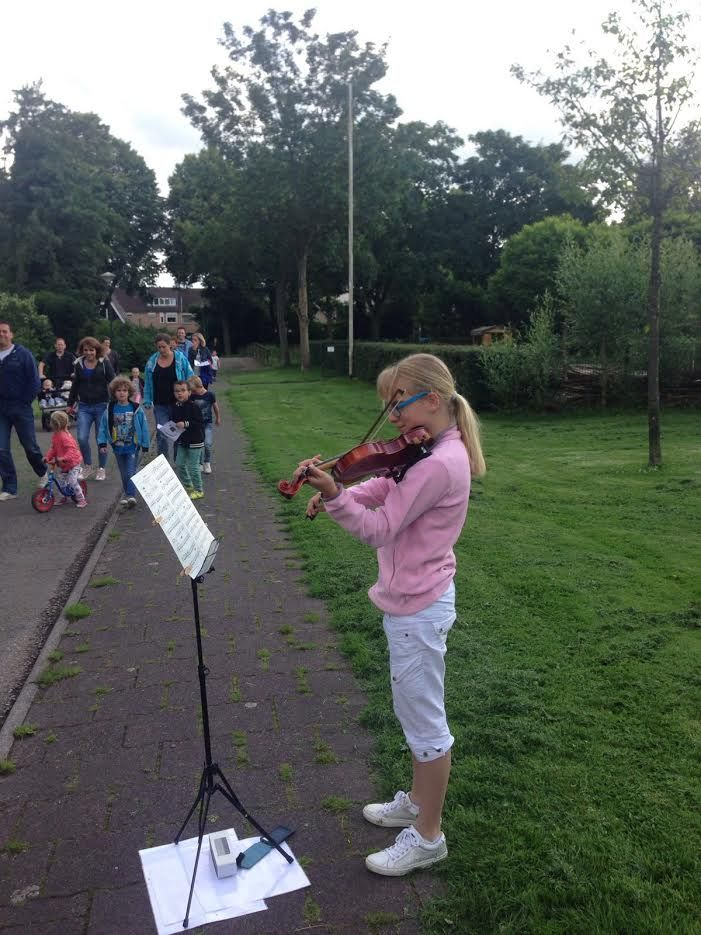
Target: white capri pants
<point>417,648</point>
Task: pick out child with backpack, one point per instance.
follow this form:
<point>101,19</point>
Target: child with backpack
<point>124,426</point>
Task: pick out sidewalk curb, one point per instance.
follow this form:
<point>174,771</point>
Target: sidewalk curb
<point>28,692</point>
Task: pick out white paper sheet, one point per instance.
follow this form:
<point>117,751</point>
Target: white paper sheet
<point>174,511</point>
<point>170,431</point>
<point>168,874</point>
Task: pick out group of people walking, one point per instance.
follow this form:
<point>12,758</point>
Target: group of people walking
<point>175,384</point>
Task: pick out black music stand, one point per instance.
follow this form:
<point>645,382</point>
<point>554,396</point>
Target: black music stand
<point>212,779</point>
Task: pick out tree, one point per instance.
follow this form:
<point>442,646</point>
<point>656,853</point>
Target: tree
<point>402,176</point>
<point>602,287</point>
<point>76,202</point>
<point>624,112</point>
<point>286,92</point>
<point>28,326</point>
<point>509,183</point>
<point>528,267</point>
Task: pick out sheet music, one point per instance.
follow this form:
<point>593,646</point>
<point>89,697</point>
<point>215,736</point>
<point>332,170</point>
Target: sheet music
<point>174,511</point>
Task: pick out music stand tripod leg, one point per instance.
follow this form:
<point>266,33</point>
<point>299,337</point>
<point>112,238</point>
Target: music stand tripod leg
<point>201,824</point>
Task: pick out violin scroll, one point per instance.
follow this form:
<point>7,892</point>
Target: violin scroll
<point>290,489</point>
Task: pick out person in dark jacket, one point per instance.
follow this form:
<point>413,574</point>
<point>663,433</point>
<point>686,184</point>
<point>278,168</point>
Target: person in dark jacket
<point>201,359</point>
<point>110,355</point>
<point>91,379</point>
<point>19,385</point>
<point>58,364</point>
<point>187,416</point>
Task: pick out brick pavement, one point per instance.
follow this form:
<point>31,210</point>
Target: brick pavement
<point>116,759</point>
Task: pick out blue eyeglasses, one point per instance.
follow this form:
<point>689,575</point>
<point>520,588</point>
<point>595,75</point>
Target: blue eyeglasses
<point>397,408</point>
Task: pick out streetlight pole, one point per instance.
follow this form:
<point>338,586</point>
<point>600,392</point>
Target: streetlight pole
<point>351,273</point>
<point>109,280</point>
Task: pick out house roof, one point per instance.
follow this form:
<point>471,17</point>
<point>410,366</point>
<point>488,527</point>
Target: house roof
<point>489,329</point>
<point>137,304</point>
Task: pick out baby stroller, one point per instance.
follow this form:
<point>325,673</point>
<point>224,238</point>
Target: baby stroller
<point>50,402</point>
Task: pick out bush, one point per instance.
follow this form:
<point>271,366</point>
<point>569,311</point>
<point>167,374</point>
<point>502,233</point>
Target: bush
<point>133,344</point>
<point>370,357</point>
<point>529,372</point>
<point>28,327</point>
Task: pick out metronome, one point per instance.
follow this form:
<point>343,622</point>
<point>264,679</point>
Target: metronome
<point>223,860</point>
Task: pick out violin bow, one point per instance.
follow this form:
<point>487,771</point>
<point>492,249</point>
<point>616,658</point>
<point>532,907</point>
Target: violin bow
<point>383,416</point>
<point>374,428</point>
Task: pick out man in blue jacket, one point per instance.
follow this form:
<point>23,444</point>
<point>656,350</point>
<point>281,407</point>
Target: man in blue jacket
<point>19,385</point>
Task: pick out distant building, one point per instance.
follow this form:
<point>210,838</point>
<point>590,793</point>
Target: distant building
<point>164,308</point>
<point>490,334</point>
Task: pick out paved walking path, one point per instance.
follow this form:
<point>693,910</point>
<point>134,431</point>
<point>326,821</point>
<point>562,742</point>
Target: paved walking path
<point>42,555</point>
<point>115,761</point>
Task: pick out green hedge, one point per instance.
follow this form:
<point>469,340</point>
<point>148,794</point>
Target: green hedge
<point>370,357</point>
<point>133,343</point>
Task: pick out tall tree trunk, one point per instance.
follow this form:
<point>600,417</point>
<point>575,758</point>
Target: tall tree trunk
<point>303,309</point>
<point>375,308</point>
<point>653,296</point>
<point>281,320</point>
<point>604,372</point>
<point>226,334</point>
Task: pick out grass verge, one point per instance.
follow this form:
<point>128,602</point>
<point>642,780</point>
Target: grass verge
<point>572,690</point>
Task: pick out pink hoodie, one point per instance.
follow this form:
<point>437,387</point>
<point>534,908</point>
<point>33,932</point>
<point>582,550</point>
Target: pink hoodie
<point>414,525</point>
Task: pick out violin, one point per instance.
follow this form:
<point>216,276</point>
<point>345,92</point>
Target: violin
<point>379,458</point>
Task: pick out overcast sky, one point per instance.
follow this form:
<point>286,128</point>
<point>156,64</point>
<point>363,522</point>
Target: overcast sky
<point>130,61</point>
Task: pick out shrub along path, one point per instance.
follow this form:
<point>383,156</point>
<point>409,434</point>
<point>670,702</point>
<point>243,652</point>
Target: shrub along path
<point>113,753</point>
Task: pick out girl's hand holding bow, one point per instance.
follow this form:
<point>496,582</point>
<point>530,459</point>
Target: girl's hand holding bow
<point>315,506</point>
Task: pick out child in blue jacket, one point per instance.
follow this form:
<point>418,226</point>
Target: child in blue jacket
<point>124,426</point>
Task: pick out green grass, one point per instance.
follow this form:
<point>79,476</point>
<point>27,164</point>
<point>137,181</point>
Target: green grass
<point>77,611</point>
<point>573,686</point>
<point>13,846</point>
<point>286,772</point>
<point>24,730</point>
<point>105,581</point>
<point>53,674</point>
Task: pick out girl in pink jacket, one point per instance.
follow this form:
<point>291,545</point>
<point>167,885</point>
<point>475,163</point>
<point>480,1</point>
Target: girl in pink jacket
<point>414,526</point>
<point>65,453</point>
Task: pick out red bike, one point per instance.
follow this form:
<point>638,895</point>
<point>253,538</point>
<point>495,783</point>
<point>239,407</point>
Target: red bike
<point>44,498</point>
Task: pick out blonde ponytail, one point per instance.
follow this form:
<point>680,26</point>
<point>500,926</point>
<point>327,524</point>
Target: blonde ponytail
<point>469,427</point>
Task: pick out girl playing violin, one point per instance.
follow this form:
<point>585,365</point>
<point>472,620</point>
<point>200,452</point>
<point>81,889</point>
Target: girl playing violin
<point>414,526</point>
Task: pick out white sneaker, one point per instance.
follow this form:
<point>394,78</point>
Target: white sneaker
<point>399,813</point>
<point>124,502</point>
<point>131,501</point>
<point>5,495</point>
<point>100,474</point>
<point>409,852</point>
<point>206,468</point>
<point>86,471</point>
<point>43,481</point>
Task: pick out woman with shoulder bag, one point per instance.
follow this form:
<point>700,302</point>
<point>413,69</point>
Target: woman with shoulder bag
<point>91,379</point>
